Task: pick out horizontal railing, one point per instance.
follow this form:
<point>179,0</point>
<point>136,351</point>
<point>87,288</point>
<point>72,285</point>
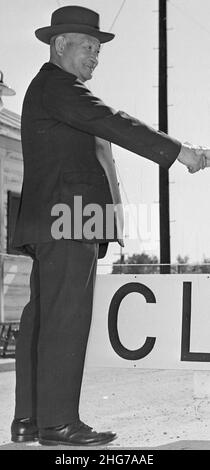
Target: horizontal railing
<point>15,275</point>
<point>14,287</point>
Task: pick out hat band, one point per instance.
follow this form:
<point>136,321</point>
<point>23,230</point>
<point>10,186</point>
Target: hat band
<point>77,25</point>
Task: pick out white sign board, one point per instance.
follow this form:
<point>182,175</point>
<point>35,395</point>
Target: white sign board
<point>151,321</point>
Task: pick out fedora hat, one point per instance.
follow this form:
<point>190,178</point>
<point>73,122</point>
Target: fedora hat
<point>73,19</point>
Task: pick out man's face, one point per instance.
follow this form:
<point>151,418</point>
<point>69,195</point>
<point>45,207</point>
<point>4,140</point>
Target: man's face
<point>80,55</point>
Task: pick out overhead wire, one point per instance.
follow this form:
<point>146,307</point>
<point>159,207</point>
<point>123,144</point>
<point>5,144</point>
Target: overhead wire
<point>117,15</point>
<point>189,17</point>
<point>118,172</point>
<point>184,13</point>
<point>110,29</point>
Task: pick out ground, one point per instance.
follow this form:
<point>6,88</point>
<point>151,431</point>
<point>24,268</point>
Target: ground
<point>146,408</point>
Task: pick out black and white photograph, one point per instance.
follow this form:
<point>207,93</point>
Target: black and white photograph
<point>105,231</point>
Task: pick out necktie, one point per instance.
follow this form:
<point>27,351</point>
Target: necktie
<point>105,158</point>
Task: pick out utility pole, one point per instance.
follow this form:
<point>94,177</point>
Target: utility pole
<point>164,211</point>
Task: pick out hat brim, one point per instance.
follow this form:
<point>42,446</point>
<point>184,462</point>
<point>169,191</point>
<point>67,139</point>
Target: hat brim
<point>45,34</point>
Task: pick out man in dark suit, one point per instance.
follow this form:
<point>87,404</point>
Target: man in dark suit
<point>67,156</point>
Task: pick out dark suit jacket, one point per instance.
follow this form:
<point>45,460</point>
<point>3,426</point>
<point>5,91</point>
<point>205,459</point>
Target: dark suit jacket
<point>60,120</point>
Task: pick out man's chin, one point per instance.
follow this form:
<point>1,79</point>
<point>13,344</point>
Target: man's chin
<point>87,75</point>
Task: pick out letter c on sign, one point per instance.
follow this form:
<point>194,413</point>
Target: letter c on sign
<point>112,322</point>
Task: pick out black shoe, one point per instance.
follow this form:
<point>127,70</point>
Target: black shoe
<point>24,430</point>
<point>78,434</point>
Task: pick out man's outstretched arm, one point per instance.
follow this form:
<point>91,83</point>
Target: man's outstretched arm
<point>67,99</point>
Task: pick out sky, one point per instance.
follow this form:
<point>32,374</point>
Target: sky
<point>127,79</point>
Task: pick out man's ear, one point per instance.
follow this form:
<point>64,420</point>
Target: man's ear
<point>60,43</point>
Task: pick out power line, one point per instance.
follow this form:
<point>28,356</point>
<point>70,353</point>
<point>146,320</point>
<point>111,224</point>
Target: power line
<point>121,182</point>
<point>59,3</point>
<point>190,17</point>
<point>117,15</point>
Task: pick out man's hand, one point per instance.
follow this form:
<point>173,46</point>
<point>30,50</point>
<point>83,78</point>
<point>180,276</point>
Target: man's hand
<point>206,151</point>
<point>194,157</point>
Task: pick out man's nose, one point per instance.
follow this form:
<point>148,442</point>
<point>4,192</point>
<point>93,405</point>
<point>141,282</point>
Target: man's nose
<point>94,59</point>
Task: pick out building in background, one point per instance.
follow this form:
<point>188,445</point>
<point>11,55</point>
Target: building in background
<point>15,269</point>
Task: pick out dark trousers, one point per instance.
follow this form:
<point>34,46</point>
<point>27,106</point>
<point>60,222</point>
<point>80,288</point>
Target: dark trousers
<point>54,330</point>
